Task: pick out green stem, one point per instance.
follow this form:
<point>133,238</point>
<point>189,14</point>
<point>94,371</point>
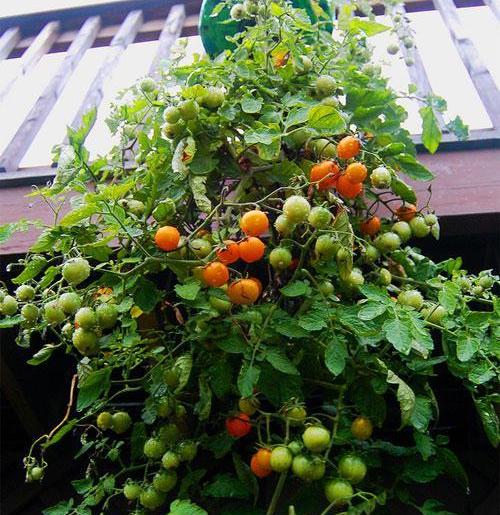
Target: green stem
<point>277,493</point>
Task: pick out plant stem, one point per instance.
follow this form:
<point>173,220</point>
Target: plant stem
<point>277,493</point>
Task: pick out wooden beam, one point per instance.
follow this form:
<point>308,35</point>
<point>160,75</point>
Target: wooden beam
<point>494,5</point>
<point>8,41</point>
<point>479,74</point>
<point>169,34</point>
<point>40,46</point>
<point>417,72</point>
<point>119,43</point>
<point>20,143</point>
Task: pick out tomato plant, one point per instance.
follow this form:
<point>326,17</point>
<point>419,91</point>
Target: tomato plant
<point>237,285</point>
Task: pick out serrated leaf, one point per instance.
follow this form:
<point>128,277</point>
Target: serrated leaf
<point>250,104</point>
<point>404,191</point>
<point>64,430</point>
<point>42,355</point>
<point>489,418</point>
<point>198,187</point>
<point>448,296</point>
<point>247,379</point>
<point>405,396</point>
<point>35,265</point>
<point>431,133</point>
<point>369,27</point>
<point>412,168</point>
<point>92,387</point>
<point>204,404</point>
<point>398,333</point>
<point>372,310</point>
<point>467,346</point>
<point>82,486</point>
<point>335,355</point>
<point>78,214</point>
<point>280,361</point>
<point>188,291</point>
<point>184,365</point>
<point>424,444</point>
<point>226,485</point>
<point>452,466</point>
<point>5,323</point>
<point>326,119</point>
<point>185,507</point>
<point>296,289</point>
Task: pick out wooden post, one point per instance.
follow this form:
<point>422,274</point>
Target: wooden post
<point>8,41</point>
<point>118,45</point>
<point>171,31</point>
<point>494,5</point>
<point>417,72</point>
<point>480,75</point>
<point>20,143</point>
<point>40,46</point>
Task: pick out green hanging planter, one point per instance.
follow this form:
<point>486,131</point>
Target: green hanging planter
<point>213,33</point>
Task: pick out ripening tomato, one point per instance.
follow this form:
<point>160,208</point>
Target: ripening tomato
<point>263,457</point>
<point>215,274</point>
<point>167,238</point>
<point>251,249</point>
<point>254,223</point>
<point>356,172</point>
<point>371,226</point>
<point>325,175</point>
<point>238,425</point>
<point>259,470</point>
<point>406,212</point>
<point>248,405</point>
<point>348,147</point>
<point>244,291</point>
<point>229,253</point>
<point>362,428</point>
<point>348,189</point>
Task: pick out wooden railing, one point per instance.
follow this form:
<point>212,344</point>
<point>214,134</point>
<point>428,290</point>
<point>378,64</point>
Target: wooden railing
<point>117,25</point>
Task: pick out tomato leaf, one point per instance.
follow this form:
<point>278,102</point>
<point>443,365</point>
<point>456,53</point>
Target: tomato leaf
<point>186,507</point>
<point>226,485</point>
<point>431,133</point>
<point>42,355</point>
<point>296,289</point>
<point>405,396</point>
<point>92,387</point>
<point>247,379</point>
<point>188,291</point>
<point>369,27</point>
<point>412,168</point>
<point>489,418</point>
<point>326,119</point>
<point>402,189</point>
<point>336,354</point>
<point>280,361</point>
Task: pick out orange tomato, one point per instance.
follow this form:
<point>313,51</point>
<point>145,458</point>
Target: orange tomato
<point>348,147</point>
<point>362,428</point>
<point>244,291</point>
<point>356,172</point>
<point>254,223</point>
<point>259,283</point>
<point>258,469</point>
<point>406,212</point>
<point>263,457</point>
<point>251,249</point>
<point>280,58</point>
<point>230,253</point>
<point>167,238</point>
<point>347,188</point>
<point>327,173</point>
<point>215,274</point>
<point>371,226</point>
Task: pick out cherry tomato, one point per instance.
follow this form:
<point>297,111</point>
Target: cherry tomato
<point>154,448</point>
<point>257,469</point>
<point>411,298</point>
<point>320,217</point>
<point>316,438</point>
<point>352,468</point>
<point>76,270</point>
<point>281,458</point>
<point>280,258</point>
<point>361,428</point>
<point>296,209</point>
<point>338,491</point>
<point>238,425</point>
<point>132,491</point>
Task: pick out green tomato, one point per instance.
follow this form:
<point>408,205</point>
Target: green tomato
<point>303,65</point>
<point>251,7</point>
<point>70,302</point>
<point>9,305</point>
<point>52,313</point>
<point>164,211</point>
<point>325,86</point>
<point>104,420</point>
<point>189,110</point>
<point>295,447</point>
<point>24,293</point>
<point>385,277</point>
<point>132,491</point>
<point>324,148</point>
<point>238,12</point>
<point>419,228</point>
<point>213,98</point>
<point>280,258</point>
<point>330,101</point>
<point>296,415</point>
<point>411,298</point>
<point>172,114</point>
<point>76,270</point>
<point>154,448</point>
<point>151,498</point>
<point>173,130</point>
<point>170,460</point>
<point>403,230</point>
<point>107,315</point>
<point>317,469</point>
<point>165,407</point>
<point>381,178</point>
<point>133,206</point>
<point>393,49</point>
<point>388,242</point>
<point>338,491</point>
<point>486,282</point>
<point>434,314</point>
<point>121,422</point>
<point>165,480</point>
<point>477,290</point>
<point>148,85</point>
<point>326,247</point>
<point>408,42</point>
<point>36,473</point>
<point>355,279</point>
<point>86,318</point>
<point>352,468</point>
<point>283,225</point>
<point>302,467</point>
<point>30,312</point>
<point>316,438</point>
<point>86,342</point>
<point>326,288</point>
<point>319,217</point>
<point>220,305</point>
<point>169,434</point>
<point>3,293</point>
<point>431,219</point>
<point>187,450</point>
<point>463,283</point>
<point>171,377</point>
<point>281,459</point>
<point>371,254</point>
<point>180,411</point>
<point>201,248</point>
<point>296,208</point>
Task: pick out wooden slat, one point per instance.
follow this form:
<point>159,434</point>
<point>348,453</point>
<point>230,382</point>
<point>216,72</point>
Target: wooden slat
<point>169,34</point>
<point>480,75</point>
<point>40,46</point>
<point>20,143</point>
<point>118,45</point>
<point>8,41</point>
<point>417,72</point>
<point>494,5</point>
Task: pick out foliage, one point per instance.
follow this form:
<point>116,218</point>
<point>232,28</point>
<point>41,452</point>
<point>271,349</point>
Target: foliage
<point>344,325</point>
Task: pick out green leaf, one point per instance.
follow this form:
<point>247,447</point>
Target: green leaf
<point>35,265</point>
<point>336,354</point>
<point>452,466</point>
<point>146,294</point>
<point>489,417</point>
<point>8,230</point>
<point>424,444</point>
<point>204,404</point>
<point>405,396</point>
<point>226,485</point>
<point>250,104</point>
<point>188,291</point>
<point>64,430</point>
<point>422,413</point>
<point>185,507</point>
<point>10,321</point>
<point>247,379</point>
<point>412,168</point>
<point>262,134</point>
<point>82,486</point>
<point>448,296</point>
<point>184,364</point>
<point>369,27</point>
<point>297,116</point>
<point>92,387</point>
<point>277,387</point>
<point>198,187</point>
<point>280,361</point>
<point>61,508</point>
<point>42,355</point>
<point>78,214</point>
<point>459,128</point>
<point>296,289</point>
<point>398,333</point>
<point>137,439</point>
<point>404,191</point>
<point>481,373</point>
<point>245,475</point>
<point>372,310</point>
<point>433,507</point>
<point>326,119</point>
<point>419,471</point>
<point>431,133</point>
<point>467,346</point>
